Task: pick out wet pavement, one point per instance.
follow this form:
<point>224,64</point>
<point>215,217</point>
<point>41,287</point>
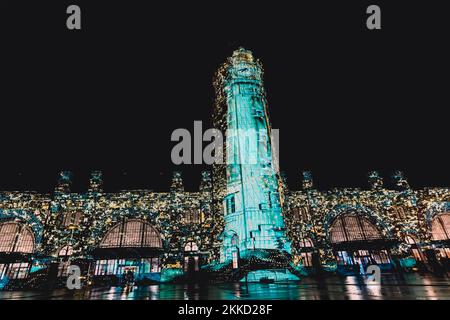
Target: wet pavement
<point>393,287</point>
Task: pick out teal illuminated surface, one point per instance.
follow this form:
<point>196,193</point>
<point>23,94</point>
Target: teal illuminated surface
<point>253,215</point>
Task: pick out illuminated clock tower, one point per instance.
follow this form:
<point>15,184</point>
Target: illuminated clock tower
<point>252,210</point>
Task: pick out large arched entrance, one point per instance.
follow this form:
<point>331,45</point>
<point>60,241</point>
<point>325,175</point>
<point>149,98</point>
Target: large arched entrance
<point>17,244</point>
<point>132,245</point>
<point>358,243</point>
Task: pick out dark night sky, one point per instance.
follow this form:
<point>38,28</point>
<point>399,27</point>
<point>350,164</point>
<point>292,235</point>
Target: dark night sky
<point>107,97</point>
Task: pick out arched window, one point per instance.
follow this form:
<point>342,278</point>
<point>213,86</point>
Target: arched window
<point>295,214</point>
<point>72,218</point>
<point>192,216</point>
<point>15,237</point>
<point>64,254</point>
<point>348,232</point>
<point>190,247</point>
<point>409,239</point>
<point>235,240</point>
<point>440,227</point>
<point>306,243</point>
<point>440,231</point>
<point>305,214</point>
<point>132,233</point>
<point>353,227</point>
<point>65,251</point>
<point>306,252</point>
<point>300,214</point>
<point>399,213</point>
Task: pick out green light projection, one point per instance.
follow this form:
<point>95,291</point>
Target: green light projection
<point>253,215</point>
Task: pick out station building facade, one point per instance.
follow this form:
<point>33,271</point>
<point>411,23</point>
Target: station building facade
<point>348,229</point>
<point>158,234</point>
<point>106,234</point>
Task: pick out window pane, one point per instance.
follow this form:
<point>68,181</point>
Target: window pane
<point>155,265</point>
<point>136,233</point>
<point>7,236</point>
<point>16,238</point>
<point>440,227</point>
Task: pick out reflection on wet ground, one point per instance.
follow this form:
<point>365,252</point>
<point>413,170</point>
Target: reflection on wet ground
<point>408,286</point>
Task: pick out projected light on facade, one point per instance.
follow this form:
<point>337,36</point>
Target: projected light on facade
<point>253,217</point>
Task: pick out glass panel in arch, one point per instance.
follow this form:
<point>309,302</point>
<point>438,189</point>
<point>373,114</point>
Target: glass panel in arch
<point>337,231</point>
<point>25,242</point>
<point>353,228</point>
<point>133,234</point>
<point>446,221</point>
<point>7,236</point>
<point>370,231</point>
<point>306,243</point>
<point>151,237</point>
<point>437,232</point>
<point>112,238</point>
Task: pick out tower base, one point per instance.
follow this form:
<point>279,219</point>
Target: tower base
<point>269,276</point>
<point>258,265</point>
